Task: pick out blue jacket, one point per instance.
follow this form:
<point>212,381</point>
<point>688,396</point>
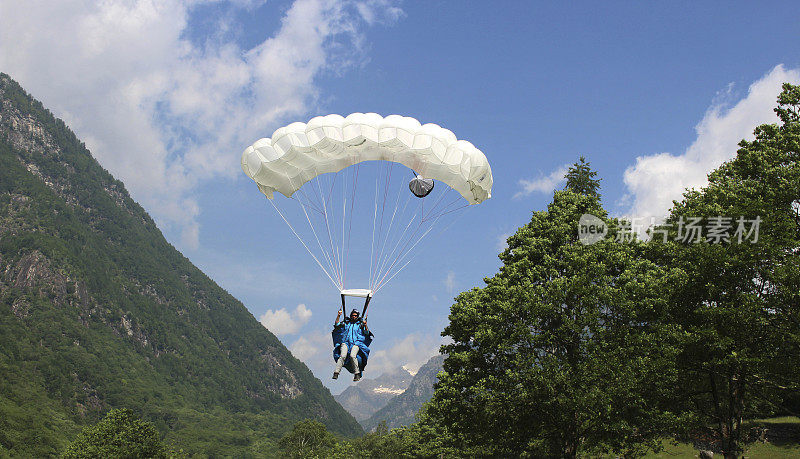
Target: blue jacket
<point>352,333</point>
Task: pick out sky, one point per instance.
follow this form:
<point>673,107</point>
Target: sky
<point>167,95</point>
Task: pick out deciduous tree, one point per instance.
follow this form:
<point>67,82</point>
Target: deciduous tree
<point>563,351</point>
<point>740,304</point>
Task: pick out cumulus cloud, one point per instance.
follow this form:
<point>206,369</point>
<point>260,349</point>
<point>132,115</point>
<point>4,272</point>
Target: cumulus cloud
<point>658,179</point>
<point>314,349</point>
<point>379,11</point>
<point>502,241</point>
<point>543,184</point>
<point>410,352</point>
<point>283,322</point>
<point>165,113</point>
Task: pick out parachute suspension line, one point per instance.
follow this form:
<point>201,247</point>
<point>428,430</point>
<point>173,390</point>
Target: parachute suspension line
<point>383,256</point>
<point>325,212</point>
<point>383,205</point>
<point>330,192</point>
<point>402,253</point>
<point>312,204</point>
<point>335,252</point>
<point>403,234</point>
<point>420,240</point>
<point>406,252</point>
<point>314,231</point>
<point>411,236</point>
<point>320,195</point>
<point>374,217</point>
<point>380,246</point>
<point>344,217</point>
<point>400,240</point>
<point>436,204</point>
<point>447,208</point>
<point>350,229</point>
<point>442,214</point>
<point>399,259</point>
<point>304,244</point>
<point>329,254</point>
<point>331,247</point>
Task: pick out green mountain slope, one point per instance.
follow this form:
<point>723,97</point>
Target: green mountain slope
<point>98,310</point>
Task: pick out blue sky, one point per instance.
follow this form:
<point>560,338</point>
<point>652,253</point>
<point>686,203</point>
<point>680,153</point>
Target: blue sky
<point>655,95</point>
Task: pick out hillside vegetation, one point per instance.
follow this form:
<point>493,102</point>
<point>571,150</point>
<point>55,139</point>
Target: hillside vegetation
<point>99,311</point>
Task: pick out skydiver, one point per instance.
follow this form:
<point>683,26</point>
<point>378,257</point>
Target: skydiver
<point>351,339</point>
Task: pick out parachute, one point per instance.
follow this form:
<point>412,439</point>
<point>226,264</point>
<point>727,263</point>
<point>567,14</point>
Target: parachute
<point>421,187</point>
<point>347,177</point>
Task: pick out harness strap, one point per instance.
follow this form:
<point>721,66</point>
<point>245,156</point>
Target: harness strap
<point>366,306</point>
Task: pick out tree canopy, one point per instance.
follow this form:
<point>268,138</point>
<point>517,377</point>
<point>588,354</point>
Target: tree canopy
<point>581,179</point>
<point>740,304</point>
<point>563,349</point>
<point>121,434</point>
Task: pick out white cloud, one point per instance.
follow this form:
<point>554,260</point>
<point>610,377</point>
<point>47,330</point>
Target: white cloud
<point>283,322</point>
<point>314,349</point>
<point>379,11</point>
<point>656,180</point>
<point>411,352</point>
<point>162,113</point>
<point>502,241</point>
<point>450,282</point>
<point>543,184</point>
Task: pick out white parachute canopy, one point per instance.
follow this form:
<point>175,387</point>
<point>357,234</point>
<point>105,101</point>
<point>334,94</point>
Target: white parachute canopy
<point>327,154</point>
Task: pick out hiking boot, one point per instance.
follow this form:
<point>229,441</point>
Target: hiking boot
<point>357,377</point>
<point>335,375</point>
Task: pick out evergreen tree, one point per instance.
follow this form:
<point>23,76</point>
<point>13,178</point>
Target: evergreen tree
<point>581,179</point>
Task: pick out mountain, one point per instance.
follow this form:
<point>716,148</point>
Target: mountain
<point>362,400</point>
<point>99,311</point>
<point>402,409</point>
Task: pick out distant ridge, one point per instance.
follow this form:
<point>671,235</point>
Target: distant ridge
<point>362,400</point>
<point>99,311</point>
<point>402,409</point>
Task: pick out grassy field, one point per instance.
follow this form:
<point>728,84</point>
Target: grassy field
<point>784,441</point>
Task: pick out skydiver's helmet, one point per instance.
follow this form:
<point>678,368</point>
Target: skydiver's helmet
<point>354,312</point>
<point>421,187</point>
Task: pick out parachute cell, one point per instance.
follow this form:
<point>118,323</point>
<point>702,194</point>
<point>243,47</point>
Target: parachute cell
<point>300,152</point>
